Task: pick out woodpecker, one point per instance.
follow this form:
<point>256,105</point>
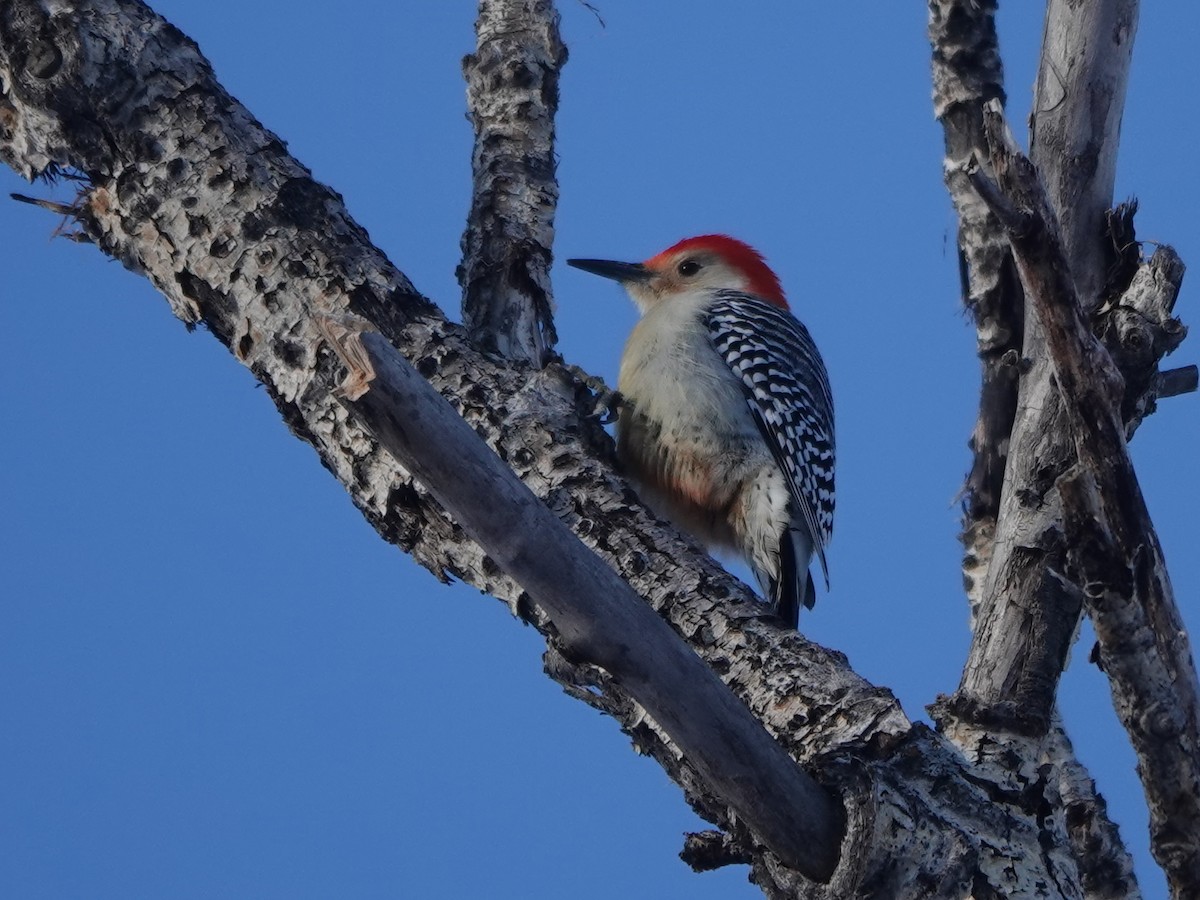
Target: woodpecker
<point>726,419</point>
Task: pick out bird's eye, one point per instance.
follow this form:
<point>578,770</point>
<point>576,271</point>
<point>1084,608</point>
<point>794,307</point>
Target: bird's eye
<point>688,267</point>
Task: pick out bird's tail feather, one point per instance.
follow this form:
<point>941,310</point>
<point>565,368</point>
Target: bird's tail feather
<point>794,587</point>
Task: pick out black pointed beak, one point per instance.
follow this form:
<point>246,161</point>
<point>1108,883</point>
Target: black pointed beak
<point>618,271</point>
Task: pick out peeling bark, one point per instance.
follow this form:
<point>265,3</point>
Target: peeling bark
<point>1028,613</point>
<point>1112,549</point>
<point>1024,606</point>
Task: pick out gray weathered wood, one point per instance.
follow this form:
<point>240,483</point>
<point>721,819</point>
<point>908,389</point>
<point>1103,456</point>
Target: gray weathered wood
<point>184,186</point>
<point>1105,866</point>
<point>1029,610</point>
<point>1112,549</point>
<point>595,618</point>
<point>1028,616</point>
<point>1140,329</point>
<point>1075,127</point>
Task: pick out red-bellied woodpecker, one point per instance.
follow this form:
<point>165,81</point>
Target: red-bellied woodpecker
<point>727,418</point>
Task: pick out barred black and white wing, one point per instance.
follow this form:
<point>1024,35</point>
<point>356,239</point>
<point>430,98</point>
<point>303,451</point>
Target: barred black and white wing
<point>787,390</point>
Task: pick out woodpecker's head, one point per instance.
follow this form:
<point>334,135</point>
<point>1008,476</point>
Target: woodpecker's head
<point>706,263</point>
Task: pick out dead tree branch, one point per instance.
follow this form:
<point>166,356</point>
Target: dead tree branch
<point>1113,551</point>
<point>1075,127</point>
<point>1138,329</point>
<point>594,617</point>
<point>1105,866</point>
<point>512,97</point>
<point>967,73</point>
<point>1028,613</point>
<point>185,187</point>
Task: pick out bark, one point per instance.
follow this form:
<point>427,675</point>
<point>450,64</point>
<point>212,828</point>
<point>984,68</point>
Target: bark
<point>1028,614</point>
<point>593,615</point>
<point>1003,713</point>
<point>184,186</point>
<point>1113,551</point>
<point>967,73</point>
<point>1105,866</point>
<point>1075,127</point>
<point>1140,330</point>
<point>512,96</point>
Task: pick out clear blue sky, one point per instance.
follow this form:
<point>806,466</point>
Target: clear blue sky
<point>215,680</point>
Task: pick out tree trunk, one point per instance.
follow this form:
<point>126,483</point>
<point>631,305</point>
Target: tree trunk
<point>184,186</point>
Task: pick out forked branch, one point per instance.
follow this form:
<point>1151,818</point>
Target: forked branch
<point>1113,551</point>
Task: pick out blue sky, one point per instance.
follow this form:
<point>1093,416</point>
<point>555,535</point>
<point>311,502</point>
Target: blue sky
<point>217,681</point>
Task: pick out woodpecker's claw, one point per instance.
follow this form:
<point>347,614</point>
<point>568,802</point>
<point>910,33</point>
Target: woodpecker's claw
<point>607,406</point>
<point>606,403</point>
